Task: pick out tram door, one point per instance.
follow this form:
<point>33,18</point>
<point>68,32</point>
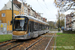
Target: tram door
<point>30,28</point>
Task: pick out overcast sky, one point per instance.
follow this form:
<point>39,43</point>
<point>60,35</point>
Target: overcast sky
<point>46,7</point>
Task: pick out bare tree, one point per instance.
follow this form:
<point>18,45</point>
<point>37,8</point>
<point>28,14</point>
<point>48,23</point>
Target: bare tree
<point>65,5</point>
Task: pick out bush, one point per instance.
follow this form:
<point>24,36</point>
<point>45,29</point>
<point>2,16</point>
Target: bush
<point>69,32</point>
<point>59,29</point>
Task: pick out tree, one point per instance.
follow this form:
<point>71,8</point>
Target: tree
<point>51,24</point>
<point>61,23</point>
<point>60,18</point>
<point>64,5</point>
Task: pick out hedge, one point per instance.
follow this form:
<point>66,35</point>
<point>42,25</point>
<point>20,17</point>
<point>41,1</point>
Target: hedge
<point>69,32</point>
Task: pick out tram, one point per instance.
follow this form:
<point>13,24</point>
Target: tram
<point>26,27</point>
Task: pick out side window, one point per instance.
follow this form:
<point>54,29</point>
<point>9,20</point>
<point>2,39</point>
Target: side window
<point>29,26</point>
<point>36,26</point>
<point>40,27</point>
<point>32,26</point>
<point>44,27</point>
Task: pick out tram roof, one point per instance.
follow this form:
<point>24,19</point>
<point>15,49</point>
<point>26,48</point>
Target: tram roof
<point>31,17</point>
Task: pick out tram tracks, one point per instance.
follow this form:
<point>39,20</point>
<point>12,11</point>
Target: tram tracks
<point>9,45</point>
<point>6,43</point>
<point>26,44</point>
<point>42,45</point>
<point>14,46</point>
<point>33,44</point>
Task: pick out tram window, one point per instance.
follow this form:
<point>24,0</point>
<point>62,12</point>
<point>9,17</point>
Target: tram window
<point>32,26</point>
<point>29,26</point>
<point>35,26</point>
<point>40,27</point>
<point>44,27</point>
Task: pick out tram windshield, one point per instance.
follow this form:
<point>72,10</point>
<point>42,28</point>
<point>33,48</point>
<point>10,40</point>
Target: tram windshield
<point>20,25</point>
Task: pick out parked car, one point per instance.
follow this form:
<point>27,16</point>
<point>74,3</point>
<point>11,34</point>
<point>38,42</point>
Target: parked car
<point>62,28</point>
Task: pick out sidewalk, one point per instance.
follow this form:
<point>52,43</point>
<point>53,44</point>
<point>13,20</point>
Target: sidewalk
<point>56,31</point>
<point>1,33</point>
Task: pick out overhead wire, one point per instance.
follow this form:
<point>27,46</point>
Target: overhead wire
<point>43,8</point>
<point>43,5</point>
<point>40,5</point>
<point>46,6</point>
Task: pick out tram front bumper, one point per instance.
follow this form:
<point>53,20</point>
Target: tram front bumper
<point>19,37</point>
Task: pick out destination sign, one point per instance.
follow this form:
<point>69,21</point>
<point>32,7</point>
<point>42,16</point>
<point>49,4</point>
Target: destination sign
<point>19,18</point>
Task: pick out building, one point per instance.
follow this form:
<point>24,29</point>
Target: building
<point>68,21</point>
<point>32,12</point>
<point>73,21</point>
<point>6,17</point>
<point>44,19</point>
<point>6,13</point>
<point>24,9</point>
<point>9,7</point>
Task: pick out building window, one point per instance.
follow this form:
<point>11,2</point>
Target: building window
<point>67,20</point>
<point>3,14</point>
<point>14,14</point>
<point>8,22</point>
<point>10,8</point>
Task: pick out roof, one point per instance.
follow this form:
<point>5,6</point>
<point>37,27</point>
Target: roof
<point>17,3</point>
<point>31,17</point>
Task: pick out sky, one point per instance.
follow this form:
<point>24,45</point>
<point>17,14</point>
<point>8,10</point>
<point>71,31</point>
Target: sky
<point>46,7</point>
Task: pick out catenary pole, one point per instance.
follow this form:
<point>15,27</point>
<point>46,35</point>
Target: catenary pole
<point>12,17</point>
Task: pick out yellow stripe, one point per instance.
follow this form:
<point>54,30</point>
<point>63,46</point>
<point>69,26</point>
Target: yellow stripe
<point>19,18</point>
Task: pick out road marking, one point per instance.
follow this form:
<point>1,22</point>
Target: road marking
<point>55,42</point>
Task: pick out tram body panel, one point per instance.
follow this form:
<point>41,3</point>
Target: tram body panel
<point>35,34</point>
<point>19,33</point>
<point>19,37</point>
<point>40,32</point>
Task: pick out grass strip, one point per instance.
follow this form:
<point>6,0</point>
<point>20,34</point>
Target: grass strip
<point>65,42</point>
<point>5,37</point>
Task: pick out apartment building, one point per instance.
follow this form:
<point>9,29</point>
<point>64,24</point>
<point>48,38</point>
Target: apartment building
<point>73,21</point>
<point>6,13</point>
<point>68,21</point>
